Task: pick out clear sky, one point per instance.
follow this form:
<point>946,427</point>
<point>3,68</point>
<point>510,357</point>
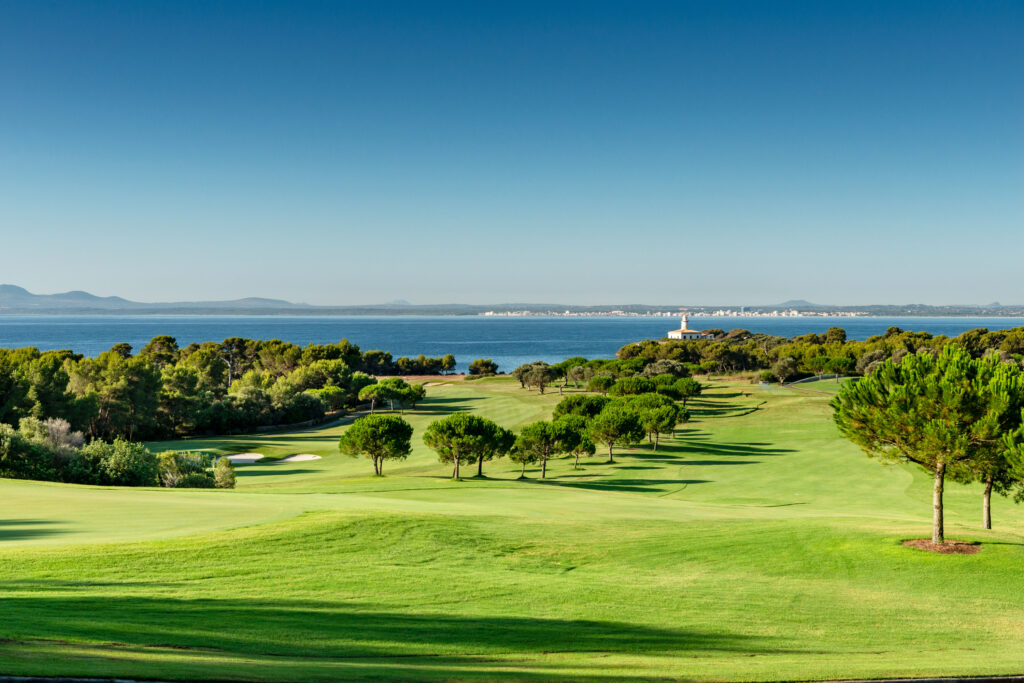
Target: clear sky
<point>484,152</point>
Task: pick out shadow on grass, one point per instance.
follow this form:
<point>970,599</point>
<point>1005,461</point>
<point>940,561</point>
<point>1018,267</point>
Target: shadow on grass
<point>631,485</point>
<point>257,470</point>
<point>443,405</point>
<point>23,529</point>
<point>694,445</point>
<point>322,632</point>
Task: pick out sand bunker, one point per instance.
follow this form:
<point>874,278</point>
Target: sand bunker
<point>244,458</point>
<point>300,457</point>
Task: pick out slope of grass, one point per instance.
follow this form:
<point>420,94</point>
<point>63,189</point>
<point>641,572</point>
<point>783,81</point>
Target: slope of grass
<point>755,545</point>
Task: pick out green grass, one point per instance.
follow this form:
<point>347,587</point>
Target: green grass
<point>755,545</point>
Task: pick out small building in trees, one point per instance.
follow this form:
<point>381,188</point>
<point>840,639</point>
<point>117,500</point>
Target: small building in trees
<point>685,332</point>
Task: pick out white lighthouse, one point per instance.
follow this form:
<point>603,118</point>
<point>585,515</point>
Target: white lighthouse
<point>684,332</point>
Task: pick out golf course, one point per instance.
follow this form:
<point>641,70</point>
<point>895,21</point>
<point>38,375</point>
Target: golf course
<point>753,544</point>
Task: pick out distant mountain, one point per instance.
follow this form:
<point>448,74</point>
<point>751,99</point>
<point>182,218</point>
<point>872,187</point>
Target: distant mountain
<point>14,299</point>
<point>18,300</point>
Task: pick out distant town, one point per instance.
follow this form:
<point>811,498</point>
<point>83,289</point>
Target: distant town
<point>720,313</point>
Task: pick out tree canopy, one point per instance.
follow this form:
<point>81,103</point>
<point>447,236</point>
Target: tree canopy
<point>379,438</point>
<point>944,412</point>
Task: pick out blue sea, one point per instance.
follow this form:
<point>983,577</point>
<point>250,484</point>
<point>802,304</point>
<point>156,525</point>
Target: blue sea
<point>507,341</point>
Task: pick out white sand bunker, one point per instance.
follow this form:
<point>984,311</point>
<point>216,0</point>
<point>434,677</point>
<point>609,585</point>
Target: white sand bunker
<point>300,457</point>
<point>245,458</point>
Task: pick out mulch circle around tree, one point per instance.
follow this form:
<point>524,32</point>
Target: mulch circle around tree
<point>947,548</point>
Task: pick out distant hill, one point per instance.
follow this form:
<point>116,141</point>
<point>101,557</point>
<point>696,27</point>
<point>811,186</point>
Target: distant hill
<point>14,299</point>
<point>18,300</point>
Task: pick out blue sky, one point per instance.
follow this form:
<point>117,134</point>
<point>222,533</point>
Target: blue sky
<point>575,152</point>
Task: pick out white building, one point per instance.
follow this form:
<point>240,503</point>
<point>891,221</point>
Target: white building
<point>685,332</point>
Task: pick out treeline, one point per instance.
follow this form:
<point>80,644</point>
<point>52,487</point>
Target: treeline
<point>614,377</point>
<point>164,391</point>
<point>786,359</point>
<point>635,408</point>
<point>50,450</point>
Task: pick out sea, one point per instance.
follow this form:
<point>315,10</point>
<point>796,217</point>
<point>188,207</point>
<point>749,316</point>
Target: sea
<point>508,341</point>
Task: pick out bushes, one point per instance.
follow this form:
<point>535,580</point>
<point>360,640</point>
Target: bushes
<point>123,463</point>
<point>333,397</point>
<point>187,470</point>
<point>630,386</point>
<point>224,474</point>
<point>483,366</point>
<point>50,451</point>
<point>22,459</point>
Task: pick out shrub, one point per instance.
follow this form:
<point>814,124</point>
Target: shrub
<point>22,459</point>
<point>580,404</point>
<point>630,386</point>
<point>224,474</point>
<point>124,463</point>
<point>196,480</point>
<point>600,384</point>
<point>669,391</point>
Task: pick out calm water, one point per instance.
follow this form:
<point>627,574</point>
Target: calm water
<point>508,341</point>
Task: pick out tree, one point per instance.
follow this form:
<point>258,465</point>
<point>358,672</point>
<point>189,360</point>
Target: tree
<point>448,363</point>
<point>600,384</point>
<point>541,440</point>
<point>412,394</point>
<point>520,374</point>
<point>631,386</point>
<point>616,424</point>
<point>540,375</point>
<point>578,374</point>
<point>524,458</point>
<point>580,404</point>
<point>817,364</point>
<point>379,438</point>
<point>784,368</point>
<point>393,389</point>
<point>661,420</point>
<point>840,365</point>
<point>464,438</point>
<point>939,412</point>
<point>162,350</point>
<point>371,393</point>
<point>483,366</point>
<point>574,436</point>
<point>688,388</point>
<point>835,335</point>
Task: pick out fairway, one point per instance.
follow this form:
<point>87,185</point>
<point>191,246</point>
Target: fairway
<point>756,544</point>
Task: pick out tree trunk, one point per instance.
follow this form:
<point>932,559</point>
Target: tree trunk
<point>456,467</point>
<point>938,530</point>
<point>657,436</point>
<point>986,506</point>
<point>610,457</point>
<point>480,466</point>
<point>380,468</point>
<point>576,466</point>
<point>543,467</point>
<point>522,475</point>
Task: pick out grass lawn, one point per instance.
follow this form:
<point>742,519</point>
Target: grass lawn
<point>755,545</point>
